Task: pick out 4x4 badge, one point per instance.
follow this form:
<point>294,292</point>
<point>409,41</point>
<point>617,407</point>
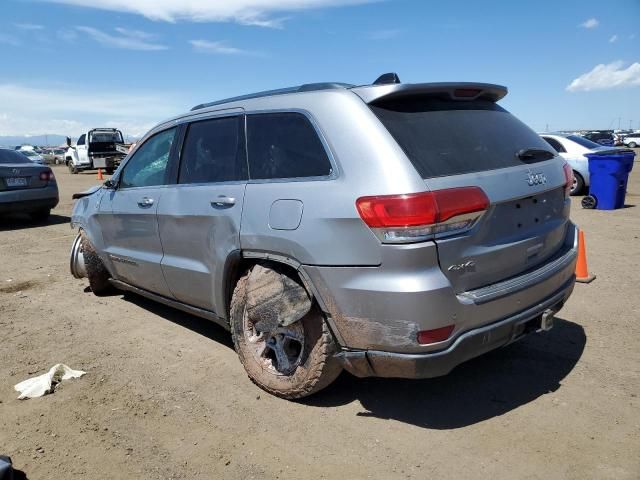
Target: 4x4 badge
<point>536,179</point>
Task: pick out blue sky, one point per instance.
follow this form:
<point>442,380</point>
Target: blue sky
<point>67,65</point>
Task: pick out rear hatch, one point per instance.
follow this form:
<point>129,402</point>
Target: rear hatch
<point>470,141</point>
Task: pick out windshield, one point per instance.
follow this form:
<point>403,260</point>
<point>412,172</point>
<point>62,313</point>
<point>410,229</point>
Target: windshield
<point>106,137</point>
<point>29,153</point>
<point>447,137</point>
<point>584,142</point>
<point>11,156</point>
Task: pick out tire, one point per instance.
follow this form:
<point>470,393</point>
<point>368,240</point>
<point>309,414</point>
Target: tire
<point>73,170</point>
<point>578,184</point>
<point>97,273</point>
<point>41,215</point>
<point>633,144</point>
<point>316,366</point>
<point>589,202</point>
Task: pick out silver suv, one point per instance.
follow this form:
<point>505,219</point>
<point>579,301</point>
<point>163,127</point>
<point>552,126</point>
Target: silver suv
<point>392,230</point>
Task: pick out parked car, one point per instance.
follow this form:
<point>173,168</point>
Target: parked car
<point>603,138</point>
<point>33,156</point>
<point>393,230</point>
<point>54,156</point>
<point>632,140</point>
<point>26,187</point>
<point>573,148</point>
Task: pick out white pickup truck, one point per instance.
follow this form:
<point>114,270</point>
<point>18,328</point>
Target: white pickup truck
<point>98,148</point>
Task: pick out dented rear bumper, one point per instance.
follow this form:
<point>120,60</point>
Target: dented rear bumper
<point>469,345</point>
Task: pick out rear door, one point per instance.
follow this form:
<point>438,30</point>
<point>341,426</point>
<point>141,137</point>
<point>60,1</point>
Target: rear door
<point>130,231</point>
<point>199,218</point>
<point>459,143</point>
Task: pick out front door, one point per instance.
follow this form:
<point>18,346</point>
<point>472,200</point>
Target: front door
<point>130,232</point>
<point>199,218</point>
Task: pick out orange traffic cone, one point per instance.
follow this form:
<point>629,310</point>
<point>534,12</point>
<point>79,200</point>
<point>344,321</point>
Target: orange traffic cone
<point>100,174</point>
<point>582,271</point>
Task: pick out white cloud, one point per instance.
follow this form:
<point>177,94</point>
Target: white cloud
<point>67,34</point>
<point>29,26</point>
<point>602,77</point>
<point>68,111</point>
<point>613,39</point>
<point>221,48</point>
<point>128,39</point>
<point>591,23</point>
<point>247,12</point>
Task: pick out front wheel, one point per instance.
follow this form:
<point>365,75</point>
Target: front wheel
<point>290,362</point>
<point>633,144</point>
<point>97,273</point>
<point>72,169</point>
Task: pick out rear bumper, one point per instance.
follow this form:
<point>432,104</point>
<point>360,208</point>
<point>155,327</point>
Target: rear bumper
<point>21,201</point>
<point>467,346</point>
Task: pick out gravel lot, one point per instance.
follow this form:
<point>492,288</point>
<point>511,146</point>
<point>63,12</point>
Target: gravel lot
<point>166,397</point>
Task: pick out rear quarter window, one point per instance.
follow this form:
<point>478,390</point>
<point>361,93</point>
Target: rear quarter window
<point>284,145</point>
<point>446,137</point>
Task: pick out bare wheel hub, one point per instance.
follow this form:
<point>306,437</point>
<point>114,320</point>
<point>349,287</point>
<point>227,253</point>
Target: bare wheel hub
<point>279,350</point>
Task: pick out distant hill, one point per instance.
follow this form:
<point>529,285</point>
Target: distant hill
<point>40,140</point>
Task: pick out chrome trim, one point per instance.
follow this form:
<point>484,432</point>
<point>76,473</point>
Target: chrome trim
<point>513,285</point>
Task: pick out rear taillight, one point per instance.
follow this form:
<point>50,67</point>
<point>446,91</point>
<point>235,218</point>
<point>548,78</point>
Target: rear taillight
<point>568,177</point>
<point>47,176</point>
<point>418,216</point>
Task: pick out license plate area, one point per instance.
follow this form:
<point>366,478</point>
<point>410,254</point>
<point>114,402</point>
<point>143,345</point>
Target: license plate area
<point>13,182</point>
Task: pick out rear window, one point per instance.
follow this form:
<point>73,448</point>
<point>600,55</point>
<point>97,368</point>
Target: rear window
<point>11,156</point>
<point>106,137</point>
<point>584,142</point>
<point>284,145</point>
<point>447,137</point>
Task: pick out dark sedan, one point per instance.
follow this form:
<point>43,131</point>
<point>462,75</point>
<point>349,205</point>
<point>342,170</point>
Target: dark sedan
<point>26,187</point>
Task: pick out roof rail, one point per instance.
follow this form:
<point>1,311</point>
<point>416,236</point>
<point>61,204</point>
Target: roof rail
<point>308,87</point>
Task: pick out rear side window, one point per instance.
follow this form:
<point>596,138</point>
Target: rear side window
<point>284,145</point>
<point>214,152</point>
<point>447,137</point>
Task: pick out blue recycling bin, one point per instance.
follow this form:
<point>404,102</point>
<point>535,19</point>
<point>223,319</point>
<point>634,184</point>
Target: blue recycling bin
<point>609,172</point>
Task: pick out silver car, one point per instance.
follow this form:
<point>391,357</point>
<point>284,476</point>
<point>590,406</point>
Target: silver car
<point>393,230</point>
<point>26,187</point>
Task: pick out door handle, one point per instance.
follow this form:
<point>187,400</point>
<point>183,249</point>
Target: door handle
<point>146,202</point>
<point>223,201</point>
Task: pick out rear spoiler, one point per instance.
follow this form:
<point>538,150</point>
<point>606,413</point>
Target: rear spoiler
<point>455,91</point>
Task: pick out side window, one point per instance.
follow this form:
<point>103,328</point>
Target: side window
<point>555,144</point>
<point>284,145</point>
<point>213,152</point>
<point>81,140</point>
<point>148,165</point>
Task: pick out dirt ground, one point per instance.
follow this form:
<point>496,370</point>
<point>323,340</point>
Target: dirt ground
<point>166,397</point>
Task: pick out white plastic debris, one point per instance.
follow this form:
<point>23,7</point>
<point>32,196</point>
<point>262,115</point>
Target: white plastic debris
<point>43,384</point>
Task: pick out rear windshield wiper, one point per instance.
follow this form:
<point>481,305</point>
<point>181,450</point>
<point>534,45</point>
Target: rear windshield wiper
<point>530,155</point>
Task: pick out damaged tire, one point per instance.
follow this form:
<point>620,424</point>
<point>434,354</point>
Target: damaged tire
<point>289,359</point>
<point>97,273</point>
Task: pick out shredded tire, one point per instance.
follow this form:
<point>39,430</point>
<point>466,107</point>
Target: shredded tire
<point>318,366</point>
<point>97,273</point>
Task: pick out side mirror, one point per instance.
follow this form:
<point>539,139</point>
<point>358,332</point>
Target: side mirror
<point>68,142</point>
<point>110,185</point>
